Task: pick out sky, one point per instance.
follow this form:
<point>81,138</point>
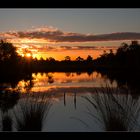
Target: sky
<point>60,32</point>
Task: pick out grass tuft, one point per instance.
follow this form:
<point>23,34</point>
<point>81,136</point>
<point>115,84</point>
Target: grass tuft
<point>118,111</point>
<point>33,110</point>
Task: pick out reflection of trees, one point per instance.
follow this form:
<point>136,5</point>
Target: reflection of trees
<point>68,74</point>
<point>41,73</point>
<point>124,79</point>
<point>28,85</point>
<point>78,73</point>
<point>89,73</point>
<point>8,99</point>
<point>50,78</point>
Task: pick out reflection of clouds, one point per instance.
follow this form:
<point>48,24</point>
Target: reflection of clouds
<point>61,90</point>
<point>61,81</point>
<point>67,81</point>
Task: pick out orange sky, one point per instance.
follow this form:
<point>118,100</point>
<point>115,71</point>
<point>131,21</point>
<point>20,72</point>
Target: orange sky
<point>51,42</point>
<point>39,48</point>
<point>59,53</point>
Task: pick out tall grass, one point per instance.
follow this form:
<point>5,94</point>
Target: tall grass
<point>117,111</point>
<point>31,113</point>
<point>6,122</point>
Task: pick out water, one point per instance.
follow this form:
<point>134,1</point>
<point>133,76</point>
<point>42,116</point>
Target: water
<point>68,112</point>
<point>68,82</point>
<point>66,108</point>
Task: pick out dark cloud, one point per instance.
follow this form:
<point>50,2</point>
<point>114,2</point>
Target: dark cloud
<point>87,47</point>
<point>40,34</point>
<point>59,36</point>
<point>73,48</point>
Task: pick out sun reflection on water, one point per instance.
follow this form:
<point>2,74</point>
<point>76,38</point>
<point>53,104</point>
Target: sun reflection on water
<point>44,82</point>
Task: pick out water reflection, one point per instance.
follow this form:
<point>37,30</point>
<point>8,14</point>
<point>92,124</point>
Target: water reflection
<point>8,99</point>
<point>73,98</point>
<point>65,91</point>
<point>43,82</point>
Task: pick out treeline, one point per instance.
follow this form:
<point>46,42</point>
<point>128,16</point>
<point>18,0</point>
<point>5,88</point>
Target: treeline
<point>127,57</point>
<point>123,66</point>
<point>65,65</point>
<point>12,63</point>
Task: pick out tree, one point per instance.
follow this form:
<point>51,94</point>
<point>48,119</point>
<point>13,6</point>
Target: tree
<point>123,48</point>
<point>51,59</point>
<point>67,58</point>
<point>127,56</point>
<point>42,59</point>
<point>89,58</point>
<point>7,51</point>
<point>79,58</point>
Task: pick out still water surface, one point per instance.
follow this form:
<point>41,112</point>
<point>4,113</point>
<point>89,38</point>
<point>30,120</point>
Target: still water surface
<point>68,111</point>
<point>67,107</point>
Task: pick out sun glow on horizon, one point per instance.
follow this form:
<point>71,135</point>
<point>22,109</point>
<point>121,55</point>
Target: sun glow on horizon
<point>37,49</point>
<point>28,55</point>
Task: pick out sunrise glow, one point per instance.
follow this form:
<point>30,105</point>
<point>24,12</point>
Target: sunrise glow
<point>69,70</point>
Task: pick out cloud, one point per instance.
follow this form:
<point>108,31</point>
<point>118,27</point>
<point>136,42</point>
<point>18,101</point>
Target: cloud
<point>83,48</point>
<point>66,48</point>
<point>56,35</point>
<point>59,36</point>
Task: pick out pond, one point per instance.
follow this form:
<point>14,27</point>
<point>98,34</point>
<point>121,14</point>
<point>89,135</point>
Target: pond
<point>67,90</point>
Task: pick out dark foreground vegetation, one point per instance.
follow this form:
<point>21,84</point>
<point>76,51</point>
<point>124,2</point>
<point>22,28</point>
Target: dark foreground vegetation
<point>28,114</point>
<point>114,112</point>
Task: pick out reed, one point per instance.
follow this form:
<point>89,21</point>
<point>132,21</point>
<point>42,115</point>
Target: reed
<point>33,109</point>
<point>118,111</point>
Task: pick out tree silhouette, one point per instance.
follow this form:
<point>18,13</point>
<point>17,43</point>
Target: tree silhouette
<point>7,51</point>
<point>67,58</point>
<point>79,58</point>
<point>126,57</point>
<point>89,58</point>
<point>51,59</point>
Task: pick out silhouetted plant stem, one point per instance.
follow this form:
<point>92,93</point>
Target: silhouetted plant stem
<point>117,112</point>
<point>33,111</point>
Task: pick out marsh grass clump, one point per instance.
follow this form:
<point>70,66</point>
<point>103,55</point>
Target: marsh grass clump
<point>33,110</point>
<point>7,122</point>
<point>116,111</point>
